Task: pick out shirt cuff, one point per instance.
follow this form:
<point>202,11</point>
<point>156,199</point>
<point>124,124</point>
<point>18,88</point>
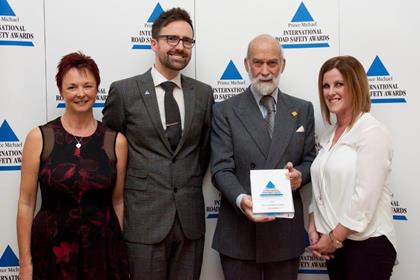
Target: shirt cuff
<point>359,224</point>
<point>238,201</point>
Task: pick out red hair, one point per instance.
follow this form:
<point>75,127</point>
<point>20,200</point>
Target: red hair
<point>79,61</point>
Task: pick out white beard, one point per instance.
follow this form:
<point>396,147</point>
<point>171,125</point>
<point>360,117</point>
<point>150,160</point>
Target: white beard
<point>264,88</point>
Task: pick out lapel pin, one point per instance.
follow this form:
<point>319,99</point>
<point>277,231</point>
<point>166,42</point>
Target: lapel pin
<point>294,113</point>
<point>147,92</point>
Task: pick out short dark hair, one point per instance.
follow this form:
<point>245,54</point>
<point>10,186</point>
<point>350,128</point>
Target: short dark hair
<point>357,84</point>
<point>168,17</point>
<point>79,61</point>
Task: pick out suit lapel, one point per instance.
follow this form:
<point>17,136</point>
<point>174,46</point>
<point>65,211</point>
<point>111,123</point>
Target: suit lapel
<point>148,93</point>
<point>284,127</point>
<point>250,116</point>
<point>189,102</point>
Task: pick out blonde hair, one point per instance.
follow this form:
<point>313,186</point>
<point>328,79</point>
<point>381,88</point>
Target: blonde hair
<point>356,81</point>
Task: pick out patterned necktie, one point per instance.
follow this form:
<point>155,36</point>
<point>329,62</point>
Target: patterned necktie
<point>172,115</point>
<point>268,102</point>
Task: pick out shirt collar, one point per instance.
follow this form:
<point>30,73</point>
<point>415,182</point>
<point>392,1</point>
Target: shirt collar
<point>158,78</point>
<point>258,96</point>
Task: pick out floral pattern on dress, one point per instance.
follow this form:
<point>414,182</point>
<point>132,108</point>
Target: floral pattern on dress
<point>76,233</point>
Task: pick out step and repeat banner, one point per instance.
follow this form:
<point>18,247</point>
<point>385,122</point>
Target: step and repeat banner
<point>383,35</point>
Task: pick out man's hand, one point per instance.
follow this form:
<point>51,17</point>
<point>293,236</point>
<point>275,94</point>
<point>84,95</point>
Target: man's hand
<point>295,176</point>
<point>246,205</point>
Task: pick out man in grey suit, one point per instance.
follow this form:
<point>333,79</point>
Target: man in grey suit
<point>261,128</point>
<point>166,118</point>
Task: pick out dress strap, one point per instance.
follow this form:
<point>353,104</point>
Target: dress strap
<point>48,140</point>
<point>110,138</point>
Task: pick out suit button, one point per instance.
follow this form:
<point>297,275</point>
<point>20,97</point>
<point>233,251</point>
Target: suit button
<point>252,165</point>
<point>175,189</point>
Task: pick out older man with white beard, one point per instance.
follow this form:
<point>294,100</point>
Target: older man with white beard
<point>261,128</point>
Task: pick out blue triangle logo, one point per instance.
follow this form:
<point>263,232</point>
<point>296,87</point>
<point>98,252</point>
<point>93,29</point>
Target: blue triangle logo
<point>5,9</point>
<point>156,12</point>
<point>270,190</point>
<point>270,185</point>
<point>377,68</point>
<point>231,72</point>
<point>302,14</point>
<point>8,258</point>
<point>7,134</point>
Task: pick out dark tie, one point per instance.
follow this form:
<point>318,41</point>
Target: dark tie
<point>268,102</point>
<point>173,118</point>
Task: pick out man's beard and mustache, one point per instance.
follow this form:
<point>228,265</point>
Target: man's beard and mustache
<point>264,88</point>
<point>170,62</point>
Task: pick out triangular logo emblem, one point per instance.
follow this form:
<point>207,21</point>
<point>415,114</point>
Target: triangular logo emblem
<point>270,185</point>
<point>8,258</point>
<point>5,9</point>
<point>231,72</point>
<point>271,190</point>
<point>377,68</point>
<point>302,14</point>
<point>155,14</point>
<point>7,134</point>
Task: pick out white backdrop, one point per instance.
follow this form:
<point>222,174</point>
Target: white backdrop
<point>35,34</point>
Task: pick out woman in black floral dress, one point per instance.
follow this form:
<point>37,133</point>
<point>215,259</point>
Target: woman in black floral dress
<point>80,166</point>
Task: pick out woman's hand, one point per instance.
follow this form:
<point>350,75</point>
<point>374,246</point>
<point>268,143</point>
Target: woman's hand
<point>25,272</point>
<point>324,248</point>
<point>313,237</point>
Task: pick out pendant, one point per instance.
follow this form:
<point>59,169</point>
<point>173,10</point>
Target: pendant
<point>78,142</point>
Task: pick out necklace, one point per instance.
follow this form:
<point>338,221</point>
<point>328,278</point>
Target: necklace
<point>79,142</point>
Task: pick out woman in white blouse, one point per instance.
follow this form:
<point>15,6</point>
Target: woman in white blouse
<point>350,216</point>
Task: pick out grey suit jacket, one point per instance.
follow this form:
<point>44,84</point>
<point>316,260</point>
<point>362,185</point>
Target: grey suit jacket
<point>161,183</point>
<point>240,142</point>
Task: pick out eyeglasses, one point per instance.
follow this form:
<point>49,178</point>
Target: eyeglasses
<point>173,41</point>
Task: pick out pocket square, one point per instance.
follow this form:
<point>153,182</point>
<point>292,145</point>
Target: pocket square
<point>147,92</point>
<point>300,129</point>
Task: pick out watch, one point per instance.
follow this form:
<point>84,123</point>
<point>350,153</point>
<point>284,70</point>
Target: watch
<point>336,243</point>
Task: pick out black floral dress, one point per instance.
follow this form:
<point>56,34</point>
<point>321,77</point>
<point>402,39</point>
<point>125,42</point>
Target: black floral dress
<point>76,234</point>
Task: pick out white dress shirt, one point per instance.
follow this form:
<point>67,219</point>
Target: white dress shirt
<point>350,181</point>
<point>160,95</point>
